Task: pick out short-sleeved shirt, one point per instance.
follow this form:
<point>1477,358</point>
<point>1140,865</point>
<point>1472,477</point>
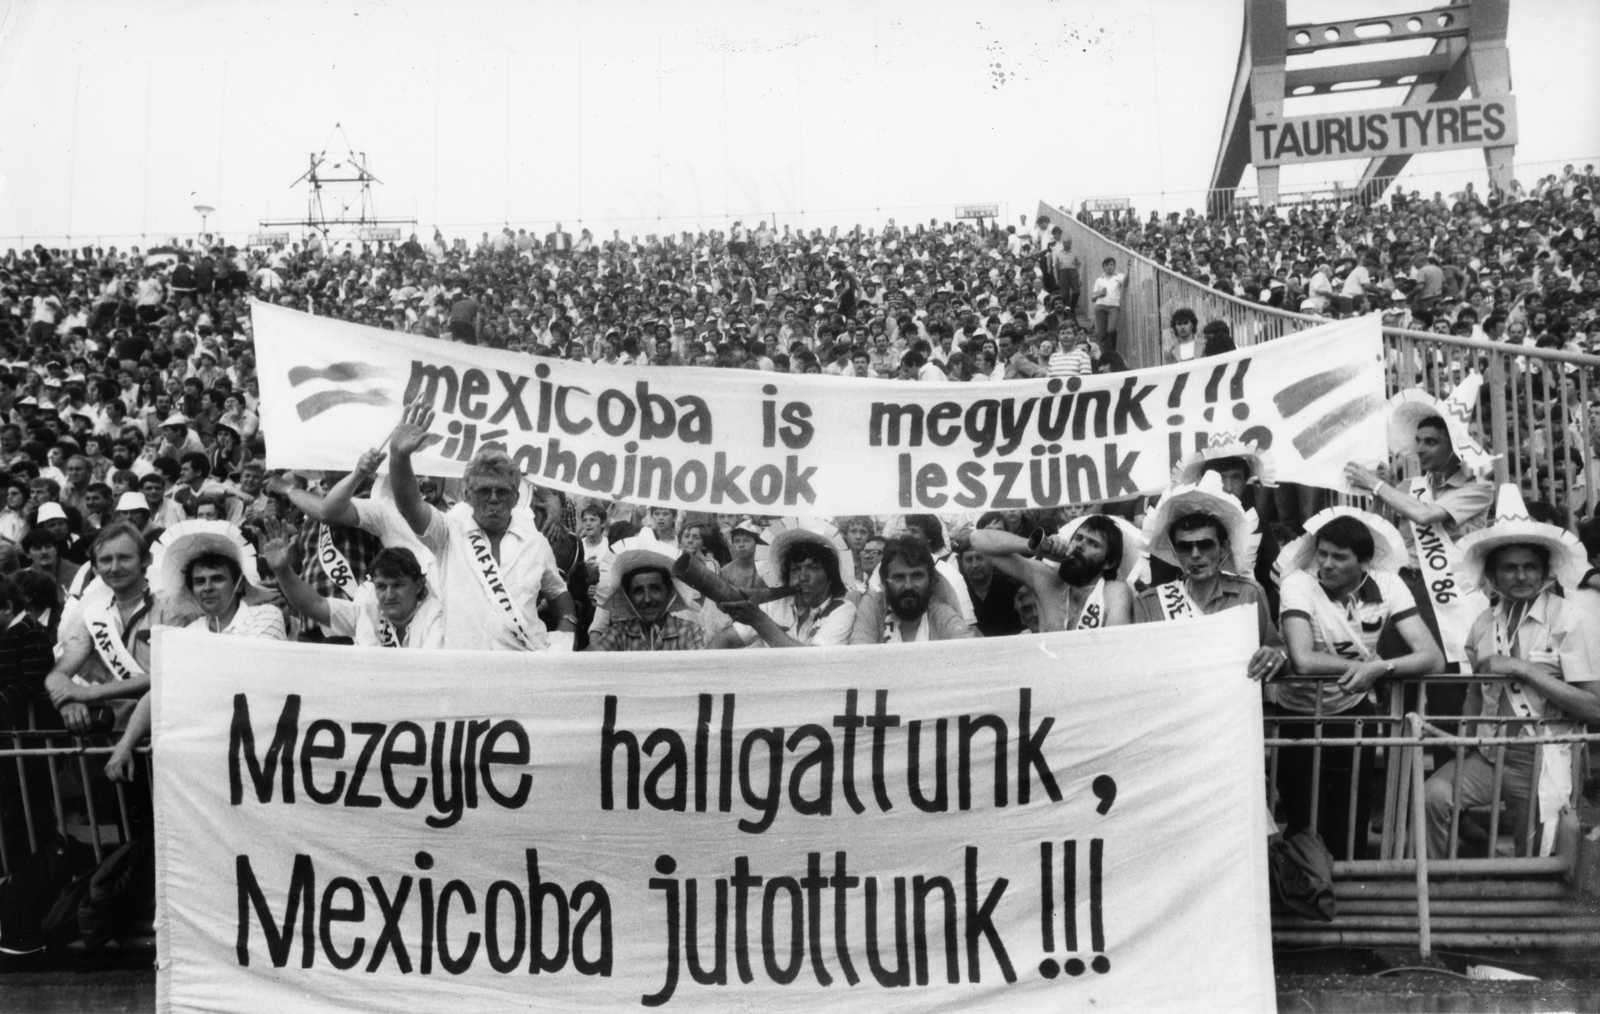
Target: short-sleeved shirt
<point>472,619</point>
<point>828,624</point>
<point>1551,624</point>
<point>1230,591</point>
<point>1468,500</point>
<point>1381,598</point>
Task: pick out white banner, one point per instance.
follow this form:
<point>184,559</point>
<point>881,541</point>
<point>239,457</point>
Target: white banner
<point>1068,822</point>
<point>744,440</point>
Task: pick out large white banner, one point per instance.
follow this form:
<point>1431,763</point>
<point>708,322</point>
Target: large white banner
<point>1068,822</point>
<point>743,440</point>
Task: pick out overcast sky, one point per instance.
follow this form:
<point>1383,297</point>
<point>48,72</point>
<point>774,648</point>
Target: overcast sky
<point>116,118</point>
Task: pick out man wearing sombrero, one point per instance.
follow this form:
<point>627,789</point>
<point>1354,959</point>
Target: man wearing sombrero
<point>209,567</point>
<point>648,610</point>
<point>1443,504</point>
<point>1536,637</point>
<point>1087,586</point>
<point>1341,592</point>
<point>1244,467</point>
<point>1200,529</point>
<point>818,613</point>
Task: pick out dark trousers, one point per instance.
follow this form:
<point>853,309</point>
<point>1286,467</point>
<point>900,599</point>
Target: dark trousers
<point>1339,765</point>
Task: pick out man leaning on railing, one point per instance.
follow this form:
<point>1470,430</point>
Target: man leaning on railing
<point>1535,636</point>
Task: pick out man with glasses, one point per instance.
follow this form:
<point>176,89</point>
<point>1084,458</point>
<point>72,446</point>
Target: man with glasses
<point>491,563</point>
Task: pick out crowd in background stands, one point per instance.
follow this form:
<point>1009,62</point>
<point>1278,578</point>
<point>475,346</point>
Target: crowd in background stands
<point>1517,266</point>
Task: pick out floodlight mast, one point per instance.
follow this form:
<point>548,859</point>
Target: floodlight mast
<point>348,182</point>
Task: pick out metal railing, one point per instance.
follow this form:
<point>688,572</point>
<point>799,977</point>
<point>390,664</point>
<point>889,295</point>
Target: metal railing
<point>1511,896</point>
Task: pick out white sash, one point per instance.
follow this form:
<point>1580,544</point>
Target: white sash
<point>1094,608</point>
<point>1555,759</point>
<point>388,637</point>
<point>1342,638</point>
<point>892,629</point>
<point>1175,601</point>
<point>334,564</point>
<point>1455,607</point>
<point>488,572</point>
<point>104,622</point>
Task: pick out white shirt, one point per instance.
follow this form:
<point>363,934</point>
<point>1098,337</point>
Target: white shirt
<point>264,621</point>
<point>358,620</point>
<point>1107,289</point>
<point>831,629</point>
<point>473,620</point>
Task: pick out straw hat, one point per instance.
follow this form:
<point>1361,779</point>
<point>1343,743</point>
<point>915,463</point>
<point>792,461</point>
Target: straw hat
<point>1203,497</point>
<point>1513,527</point>
<point>785,532</point>
<point>180,544</point>
<point>1389,546</point>
<point>1409,407</point>
<point>1133,551</point>
<point>1226,445</point>
<point>635,553</point>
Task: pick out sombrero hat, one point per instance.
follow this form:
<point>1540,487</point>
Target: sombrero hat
<point>1133,555</point>
<point>635,553</point>
<point>182,542</point>
<point>1203,497</point>
<point>1513,527</point>
<point>1226,445</point>
<point>1409,407</point>
<point>784,533</point>
<point>1389,546</point>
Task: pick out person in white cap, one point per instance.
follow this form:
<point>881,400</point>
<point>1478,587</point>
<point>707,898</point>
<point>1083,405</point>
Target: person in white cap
<point>1088,586</point>
<point>1531,634</point>
<point>177,439</point>
<point>1201,530</point>
<point>1341,592</point>
<point>132,508</point>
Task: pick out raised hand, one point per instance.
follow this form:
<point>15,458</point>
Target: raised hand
<point>279,545</point>
<point>412,434</point>
<point>369,461</point>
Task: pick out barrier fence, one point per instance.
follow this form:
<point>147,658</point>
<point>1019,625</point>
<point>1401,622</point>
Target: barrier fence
<point>1408,894</point>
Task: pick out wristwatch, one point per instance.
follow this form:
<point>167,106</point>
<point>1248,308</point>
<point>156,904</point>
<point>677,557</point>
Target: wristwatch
<point>1388,670</point>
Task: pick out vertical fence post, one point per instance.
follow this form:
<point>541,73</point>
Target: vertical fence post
<point>1419,837</point>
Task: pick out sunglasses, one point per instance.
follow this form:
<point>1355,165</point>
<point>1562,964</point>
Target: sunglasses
<point>1198,546</point>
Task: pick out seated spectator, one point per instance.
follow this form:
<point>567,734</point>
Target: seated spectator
<point>1341,591</point>
<point>1532,635</point>
<point>916,602</point>
<point>208,565</point>
<point>741,571</point>
<point>818,613</point>
<point>648,610</point>
<point>393,608</point>
<point>1087,587</point>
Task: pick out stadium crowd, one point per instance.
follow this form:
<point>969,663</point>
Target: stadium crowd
<point>131,459</point>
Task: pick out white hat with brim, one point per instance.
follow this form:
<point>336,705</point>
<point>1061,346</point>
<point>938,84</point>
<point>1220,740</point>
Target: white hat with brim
<point>1133,554</point>
<point>786,532</point>
<point>636,553</point>
<point>131,501</point>
<point>50,512</point>
<point>1513,527</point>
<point>1226,445</point>
<point>180,544</point>
<point>1409,407</point>
<point>1388,545</point>
<point>175,419</point>
<point>750,528</point>
<point>1203,497</point>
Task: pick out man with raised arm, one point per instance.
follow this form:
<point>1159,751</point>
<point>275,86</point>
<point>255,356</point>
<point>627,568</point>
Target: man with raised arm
<point>1088,588</point>
<point>492,563</point>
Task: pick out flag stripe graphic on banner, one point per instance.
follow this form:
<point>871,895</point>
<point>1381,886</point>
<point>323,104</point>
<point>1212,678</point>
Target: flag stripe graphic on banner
<point>745,440</point>
<point>1034,823</point>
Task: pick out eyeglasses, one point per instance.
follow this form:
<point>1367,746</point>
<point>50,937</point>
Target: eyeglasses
<point>492,494</point>
<point>1198,546</point>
